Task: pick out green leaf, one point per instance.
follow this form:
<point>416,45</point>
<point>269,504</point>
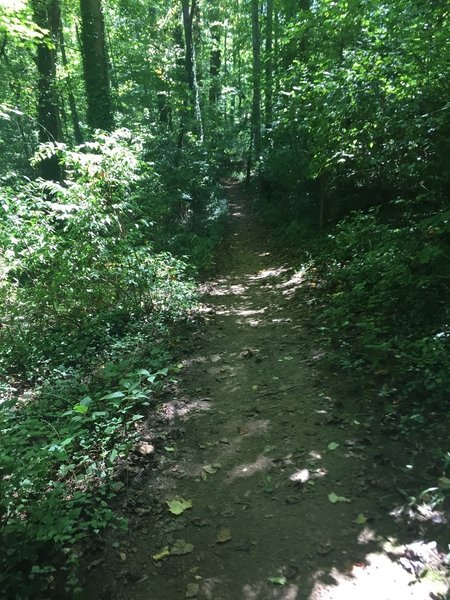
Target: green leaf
<point>333,446</point>
<point>278,580</point>
<point>334,498</point>
<point>361,519</point>
<point>178,505</point>
<point>181,547</point>
<point>113,396</point>
<point>163,553</point>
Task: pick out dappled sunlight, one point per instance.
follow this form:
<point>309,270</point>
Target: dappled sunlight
<point>378,577</point>
<point>314,455</point>
<point>183,408</point>
<point>262,591</point>
<point>268,273</point>
<point>305,475</point>
<point>241,312</point>
<point>260,465</point>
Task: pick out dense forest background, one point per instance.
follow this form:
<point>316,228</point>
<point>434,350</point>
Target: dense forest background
<point>119,119</point>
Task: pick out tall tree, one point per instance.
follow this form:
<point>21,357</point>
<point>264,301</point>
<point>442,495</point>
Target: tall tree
<point>46,15</point>
<point>255,123</point>
<point>96,66</point>
<point>189,9</point>
<point>215,60</point>
<point>268,65</point>
<point>256,80</point>
<point>78,136</point>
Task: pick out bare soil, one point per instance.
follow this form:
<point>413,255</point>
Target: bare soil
<point>297,491</point>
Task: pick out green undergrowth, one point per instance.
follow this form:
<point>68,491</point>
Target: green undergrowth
<point>97,276</point>
<point>379,285</point>
<point>385,285</point>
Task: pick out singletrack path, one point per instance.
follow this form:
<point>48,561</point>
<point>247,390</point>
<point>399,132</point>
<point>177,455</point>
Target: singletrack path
<point>294,490</point>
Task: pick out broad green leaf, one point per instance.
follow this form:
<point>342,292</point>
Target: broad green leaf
<point>113,396</point>
<point>178,505</point>
<point>333,446</point>
<point>334,498</point>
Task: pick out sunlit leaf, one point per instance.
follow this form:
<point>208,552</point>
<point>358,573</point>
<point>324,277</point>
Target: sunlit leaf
<point>178,505</point>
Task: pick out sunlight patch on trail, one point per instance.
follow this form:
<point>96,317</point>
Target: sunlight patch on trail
<point>261,464</point>
<point>379,577</point>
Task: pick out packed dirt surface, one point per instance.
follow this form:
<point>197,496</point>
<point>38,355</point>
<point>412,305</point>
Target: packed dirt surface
<point>286,486</point>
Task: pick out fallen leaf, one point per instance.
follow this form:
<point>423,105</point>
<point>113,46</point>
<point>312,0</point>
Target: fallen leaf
<point>210,469</point>
<point>243,430</point>
<point>178,505</point>
<point>162,553</point>
<point>334,498</point>
<point>144,449</point>
<point>223,535</point>
<point>169,449</point>
<point>181,547</point>
<point>361,519</point>
<point>278,580</point>
<point>123,556</point>
<point>254,387</point>
<point>192,590</point>
<point>333,446</point>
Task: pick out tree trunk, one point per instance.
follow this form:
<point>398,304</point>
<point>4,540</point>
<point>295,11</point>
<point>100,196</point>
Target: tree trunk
<point>215,61</point>
<point>48,114</point>
<point>95,66</point>
<point>256,80</point>
<point>190,62</point>
<point>269,66</point>
<point>70,95</point>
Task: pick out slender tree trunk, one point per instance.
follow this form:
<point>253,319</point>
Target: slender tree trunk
<point>256,81</point>
<point>269,66</point>
<point>95,66</point>
<point>70,95</point>
<point>188,10</point>
<point>215,60</point>
<point>48,113</point>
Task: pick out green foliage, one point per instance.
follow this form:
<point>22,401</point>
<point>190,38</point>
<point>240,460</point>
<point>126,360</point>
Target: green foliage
<point>77,264</point>
<point>58,458</point>
<point>363,108</point>
<point>88,310</point>
<point>386,306</point>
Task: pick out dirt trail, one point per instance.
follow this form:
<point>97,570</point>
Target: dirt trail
<point>293,495</point>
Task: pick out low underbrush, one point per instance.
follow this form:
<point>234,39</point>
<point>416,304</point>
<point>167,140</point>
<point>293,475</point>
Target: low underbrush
<point>380,287</point>
<point>385,285</point>
<point>91,299</point>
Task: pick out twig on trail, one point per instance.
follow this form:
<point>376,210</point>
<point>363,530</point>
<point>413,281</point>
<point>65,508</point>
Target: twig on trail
<point>279,390</point>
